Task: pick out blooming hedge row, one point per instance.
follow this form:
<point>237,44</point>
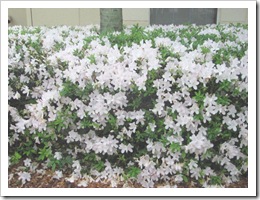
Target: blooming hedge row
<point>149,104</point>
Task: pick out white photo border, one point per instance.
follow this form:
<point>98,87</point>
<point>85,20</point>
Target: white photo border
<point>250,191</point>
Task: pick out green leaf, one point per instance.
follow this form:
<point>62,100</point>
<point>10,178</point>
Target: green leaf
<point>133,172</point>
<point>199,97</point>
<point>95,125</point>
<point>183,155</point>
<point>16,157</point>
<point>112,120</point>
<point>30,151</point>
<point>215,180</point>
<point>174,114</point>
<point>175,147</point>
<point>100,166</point>
<point>225,85</point>
<point>205,50</point>
<point>164,141</point>
<point>44,153</point>
<point>66,160</point>
<point>90,157</point>
<point>92,59</point>
<point>198,117</point>
<point>53,166</point>
<point>85,123</point>
<point>185,179</point>
<point>223,100</point>
<point>201,181</point>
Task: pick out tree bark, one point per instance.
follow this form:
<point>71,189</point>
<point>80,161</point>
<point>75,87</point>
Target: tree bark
<point>111,19</point>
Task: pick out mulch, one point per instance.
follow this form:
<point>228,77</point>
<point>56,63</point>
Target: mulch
<point>46,181</point>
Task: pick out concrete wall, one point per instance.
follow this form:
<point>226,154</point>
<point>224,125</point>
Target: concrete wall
<point>85,16</point>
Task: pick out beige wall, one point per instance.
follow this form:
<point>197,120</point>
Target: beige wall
<point>130,16</point>
<point>72,16</point>
<point>19,16</point>
<point>85,16</point>
<point>233,15</point>
<point>88,16</point>
<point>55,16</point>
<point>136,15</point>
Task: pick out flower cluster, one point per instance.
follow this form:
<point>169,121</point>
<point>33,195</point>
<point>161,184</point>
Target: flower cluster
<point>148,104</point>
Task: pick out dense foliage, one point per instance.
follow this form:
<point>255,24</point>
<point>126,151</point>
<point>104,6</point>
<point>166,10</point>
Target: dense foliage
<point>148,104</point>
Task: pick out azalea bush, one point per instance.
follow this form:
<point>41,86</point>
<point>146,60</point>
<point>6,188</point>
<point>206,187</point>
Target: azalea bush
<point>147,105</point>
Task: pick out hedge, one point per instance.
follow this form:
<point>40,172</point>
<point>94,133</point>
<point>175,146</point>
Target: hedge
<point>148,104</point>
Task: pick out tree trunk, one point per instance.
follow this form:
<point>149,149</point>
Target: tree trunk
<point>111,19</point>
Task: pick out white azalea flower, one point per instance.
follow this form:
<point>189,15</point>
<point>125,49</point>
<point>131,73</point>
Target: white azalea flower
<point>198,145</point>
<point>83,183</point>
<point>24,176</point>
<point>58,155</point>
<point>17,95</point>
<point>126,148</point>
<point>58,175</point>
<point>152,126</point>
<point>27,162</point>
